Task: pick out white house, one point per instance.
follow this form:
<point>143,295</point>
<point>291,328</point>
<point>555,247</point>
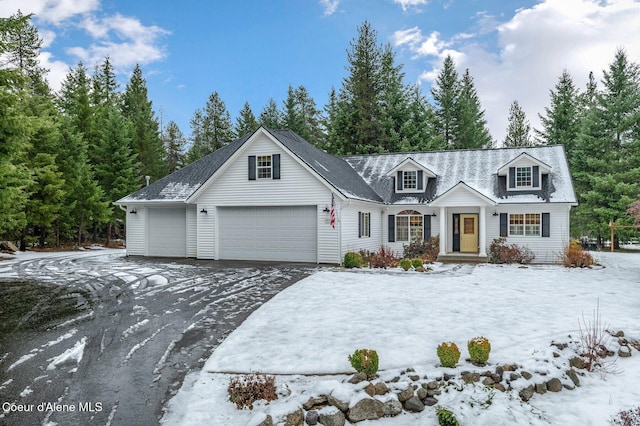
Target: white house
<point>268,196</point>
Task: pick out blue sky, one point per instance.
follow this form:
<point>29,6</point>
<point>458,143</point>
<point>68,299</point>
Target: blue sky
<point>252,50</point>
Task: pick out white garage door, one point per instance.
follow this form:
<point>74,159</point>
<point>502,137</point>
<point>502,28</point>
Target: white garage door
<point>268,233</point>
<point>167,232</point>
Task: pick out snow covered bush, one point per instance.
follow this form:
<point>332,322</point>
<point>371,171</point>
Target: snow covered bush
<point>352,260</point>
<point>427,250</point>
<point>449,354</point>
<point>479,348</point>
<point>501,252</point>
<point>627,418</point>
<point>244,391</point>
<point>365,361</point>
<point>446,417</point>
<point>574,256</point>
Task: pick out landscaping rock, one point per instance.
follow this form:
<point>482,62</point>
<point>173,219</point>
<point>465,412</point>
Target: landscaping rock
<point>514,376</point>
<point>526,375</point>
<point>500,371</point>
<point>577,362</point>
<point>381,388</point>
<point>431,385</point>
<point>573,376</point>
<point>405,394</point>
<point>266,420</point>
<point>357,378</point>
<point>624,352</point>
<point>312,418</point>
<point>295,419</point>
<point>414,377</point>
<point>526,393</point>
<point>331,416</point>
<point>541,388</point>
<point>339,404</point>
<point>488,381</point>
<point>554,385</point>
<point>430,401</point>
<point>366,409</point>
<point>370,389</point>
<point>8,246</point>
<point>392,408</point>
<point>414,404</point>
<point>422,393</point>
<point>500,387</point>
<point>315,402</point>
<point>469,378</point>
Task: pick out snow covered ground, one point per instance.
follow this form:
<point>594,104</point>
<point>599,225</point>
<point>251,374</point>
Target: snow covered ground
<point>304,335</point>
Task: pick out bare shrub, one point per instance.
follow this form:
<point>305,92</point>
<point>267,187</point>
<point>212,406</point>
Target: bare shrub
<point>427,250</point>
<point>244,391</point>
<point>383,258</point>
<point>501,252</point>
<point>594,344</point>
<point>574,256</point>
<point>627,418</point>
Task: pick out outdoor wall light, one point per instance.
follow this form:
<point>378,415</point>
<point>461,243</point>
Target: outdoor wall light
<point>495,213</point>
<point>203,210</point>
<point>433,214</point>
<point>326,210</point>
<point>133,211</point>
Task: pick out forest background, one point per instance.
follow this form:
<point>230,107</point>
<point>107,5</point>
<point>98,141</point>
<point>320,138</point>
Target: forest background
<point>65,156</point>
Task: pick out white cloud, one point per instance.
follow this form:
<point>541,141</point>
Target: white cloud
<point>330,6</point>
<point>53,11</point>
<point>406,4</point>
<point>533,48</point>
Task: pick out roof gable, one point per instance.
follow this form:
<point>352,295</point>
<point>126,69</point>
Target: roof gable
<point>467,192</point>
<point>524,158</point>
<point>411,163</point>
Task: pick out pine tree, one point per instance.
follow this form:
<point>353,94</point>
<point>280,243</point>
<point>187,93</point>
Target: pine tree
<point>418,130</point>
<point>470,126</point>
<point>302,116</point>
<point>560,124</point>
<point>518,129</point>
<point>445,93</point>
<point>394,104</point>
<point>74,99</point>
<point>213,128</point>
<point>174,143</point>
<point>143,128</point>
<point>271,117</point>
<point>246,122</point>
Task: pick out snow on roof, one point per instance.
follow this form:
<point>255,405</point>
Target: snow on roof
<point>476,168</point>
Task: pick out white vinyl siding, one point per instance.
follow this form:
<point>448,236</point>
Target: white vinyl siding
<point>192,231</point>
<point>135,223</point>
<point>349,227</point>
<point>167,232</point>
<point>268,233</point>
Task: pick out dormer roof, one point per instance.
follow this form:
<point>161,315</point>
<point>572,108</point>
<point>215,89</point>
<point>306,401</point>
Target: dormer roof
<point>411,163</point>
<point>522,159</point>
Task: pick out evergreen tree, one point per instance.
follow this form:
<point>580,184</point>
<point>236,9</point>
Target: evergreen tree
<point>271,117</point>
<point>560,124</point>
<point>74,99</point>
<point>470,126</point>
<point>302,116</point>
<point>518,129</point>
<point>445,93</point>
<point>418,130</point>
<point>211,128</point>
<point>246,122</point>
<point>394,104</point>
<point>174,143</point>
<point>143,128</point>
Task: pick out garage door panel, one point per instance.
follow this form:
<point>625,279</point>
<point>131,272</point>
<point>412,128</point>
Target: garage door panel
<point>167,232</point>
<point>268,233</point>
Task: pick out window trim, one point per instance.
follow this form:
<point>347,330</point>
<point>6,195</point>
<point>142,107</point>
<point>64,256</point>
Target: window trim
<point>528,225</point>
<point>264,168</point>
<point>409,215</point>
<point>415,177</point>
<point>364,224</point>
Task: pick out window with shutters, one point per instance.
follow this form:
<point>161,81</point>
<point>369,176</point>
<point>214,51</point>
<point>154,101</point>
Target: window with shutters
<point>263,167</point>
<point>409,225</point>
<point>526,224</point>
<point>410,180</point>
<point>524,177</point>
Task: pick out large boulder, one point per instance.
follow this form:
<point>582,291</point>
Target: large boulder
<point>366,409</point>
<point>8,246</point>
<point>392,407</point>
<point>414,404</point>
<point>331,416</point>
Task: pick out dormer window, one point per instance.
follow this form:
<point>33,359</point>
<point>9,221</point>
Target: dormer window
<point>410,179</point>
<point>264,166</point>
<point>523,177</point>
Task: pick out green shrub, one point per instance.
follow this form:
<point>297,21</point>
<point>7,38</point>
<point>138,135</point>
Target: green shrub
<point>501,252</point>
<point>417,263</point>
<point>405,264</point>
<point>365,361</point>
<point>449,354</point>
<point>479,348</point>
<point>244,391</point>
<point>352,260</point>
<point>446,417</point>
<point>425,249</point>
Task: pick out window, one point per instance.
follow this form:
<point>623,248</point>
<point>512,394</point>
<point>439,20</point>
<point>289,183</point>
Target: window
<point>408,225</point>
<point>527,224</point>
<point>523,177</point>
<point>264,167</point>
<point>364,222</point>
<point>410,180</point>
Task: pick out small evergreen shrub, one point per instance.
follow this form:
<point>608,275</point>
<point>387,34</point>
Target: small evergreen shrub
<point>416,263</point>
<point>244,391</point>
<point>574,256</point>
<point>501,252</point>
<point>405,264</point>
<point>365,361</point>
<point>383,258</point>
<point>479,348</point>
<point>449,354</point>
<point>446,417</point>
<point>425,249</point>
<point>352,260</point>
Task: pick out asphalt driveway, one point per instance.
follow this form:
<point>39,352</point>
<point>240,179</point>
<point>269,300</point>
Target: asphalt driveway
<point>100,338</point>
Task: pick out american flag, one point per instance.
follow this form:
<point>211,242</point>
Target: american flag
<point>332,214</point>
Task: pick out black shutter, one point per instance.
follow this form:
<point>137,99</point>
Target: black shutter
<point>275,158</point>
<point>392,228</point>
<point>399,181</point>
<point>512,177</point>
<point>504,225</point>
<point>359,224</point>
<point>369,224</point>
<point>546,225</point>
<point>536,176</point>
<point>426,227</point>
<point>420,183</point>
<point>252,167</point>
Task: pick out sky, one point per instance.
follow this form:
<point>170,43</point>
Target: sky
<point>252,50</point>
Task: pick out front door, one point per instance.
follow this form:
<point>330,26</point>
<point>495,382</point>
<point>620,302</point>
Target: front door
<point>469,233</point>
